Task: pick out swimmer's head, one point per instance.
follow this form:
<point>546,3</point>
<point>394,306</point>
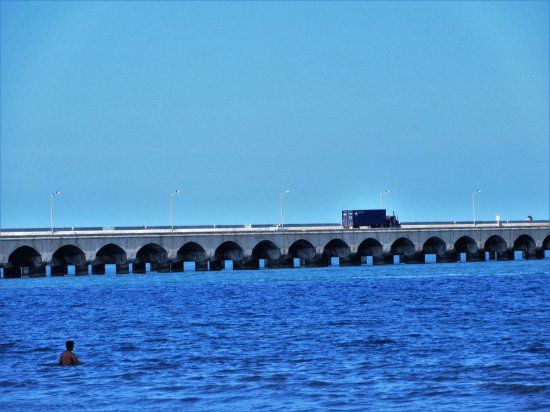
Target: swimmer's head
<point>69,345</point>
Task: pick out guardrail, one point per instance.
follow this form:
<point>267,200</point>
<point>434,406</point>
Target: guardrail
<point>266,226</point>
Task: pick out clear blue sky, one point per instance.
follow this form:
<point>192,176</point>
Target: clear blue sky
<point>116,104</point>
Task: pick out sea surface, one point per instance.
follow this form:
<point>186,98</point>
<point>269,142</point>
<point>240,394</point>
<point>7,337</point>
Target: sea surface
<point>440,337</point>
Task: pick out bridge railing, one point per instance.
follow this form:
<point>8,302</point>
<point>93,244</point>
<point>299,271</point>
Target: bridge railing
<point>221,228</point>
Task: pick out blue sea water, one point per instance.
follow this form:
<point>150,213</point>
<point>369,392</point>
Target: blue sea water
<point>399,337</point>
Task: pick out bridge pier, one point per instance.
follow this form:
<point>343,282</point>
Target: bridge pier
<point>502,255</point>
<point>539,253</point>
<point>316,261</point>
<point>532,255</point>
<point>251,263</point>
<point>141,267</point>
<point>122,268</point>
<point>138,268</point>
<point>202,266</point>
<point>506,255</point>
<point>447,257</point>
<point>376,260</point>
<point>282,262</point>
<point>379,260</point>
<point>477,256</point>
<point>350,260</point>
<point>162,267</point>
<point>80,270</point>
<point>355,260</point>
<point>176,266</point>
<point>415,258</point>
<point>26,271</point>
<point>36,271</point>
<point>11,272</point>
<point>217,264</point>
<point>387,259</point>
<point>238,264</point>
<point>98,268</point>
<point>58,270</point>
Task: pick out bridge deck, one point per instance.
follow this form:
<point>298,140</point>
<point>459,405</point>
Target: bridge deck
<point>10,233</point>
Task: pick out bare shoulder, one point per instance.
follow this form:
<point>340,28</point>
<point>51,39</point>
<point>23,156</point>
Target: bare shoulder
<point>68,358</point>
<point>74,359</point>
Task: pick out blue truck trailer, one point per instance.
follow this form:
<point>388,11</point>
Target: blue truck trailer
<point>371,218</point>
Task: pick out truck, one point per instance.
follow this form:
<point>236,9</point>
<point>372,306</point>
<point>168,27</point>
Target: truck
<point>372,218</point>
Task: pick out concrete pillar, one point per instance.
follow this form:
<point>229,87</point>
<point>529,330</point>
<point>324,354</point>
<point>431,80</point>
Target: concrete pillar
<point>98,269</point>
<point>283,262</point>
<point>37,272</point>
<point>318,260</point>
<point>176,267</point>
<point>246,264</point>
<point>11,272</point>
<point>449,256</point>
<point>138,268</point>
<point>202,266</point>
<point>387,258</point>
<point>122,268</point>
<point>355,259</point>
<point>508,254</point>
<point>417,257</point>
<point>81,270</point>
<point>216,264</point>
<point>163,267</point>
<point>478,256</point>
<point>58,270</point>
<point>350,260</point>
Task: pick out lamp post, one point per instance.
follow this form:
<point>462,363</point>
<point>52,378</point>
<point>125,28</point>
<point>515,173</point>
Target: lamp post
<point>474,203</point>
<point>382,197</point>
<point>177,192</point>
<point>282,211</point>
<point>56,193</point>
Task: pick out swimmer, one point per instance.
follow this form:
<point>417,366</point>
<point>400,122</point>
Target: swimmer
<point>68,358</point>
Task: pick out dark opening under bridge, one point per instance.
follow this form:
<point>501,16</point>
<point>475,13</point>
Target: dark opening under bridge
<point>132,250</point>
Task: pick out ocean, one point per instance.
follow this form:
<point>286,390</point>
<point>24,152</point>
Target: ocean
<point>440,337</point>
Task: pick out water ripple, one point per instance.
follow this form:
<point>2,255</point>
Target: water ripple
<point>407,337</point>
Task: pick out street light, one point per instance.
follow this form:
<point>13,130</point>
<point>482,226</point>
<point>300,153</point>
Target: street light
<point>382,197</point>
<point>56,193</point>
<point>282,212</point>
<point>177,192</point>
<point>474,203</point>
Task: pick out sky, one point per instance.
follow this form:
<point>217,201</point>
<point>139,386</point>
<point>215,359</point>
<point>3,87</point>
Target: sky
<point>118,104</point>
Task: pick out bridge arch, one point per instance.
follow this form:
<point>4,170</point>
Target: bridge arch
<point>191,252</point>
<point>337,248</point>
<point>546,243</point>
<point>403,247</point>
<point>434,245</point>
<point>151,253</point>
<point>370,247</point>
<point>495,244</point>
<point>266,249</point>
<point>68,255</point>
<point>229,251</point>
<point>465,244</point>
<point>111,254</point>
<point>302,249</point>
<point>25,256</point>
<point>526,244</point>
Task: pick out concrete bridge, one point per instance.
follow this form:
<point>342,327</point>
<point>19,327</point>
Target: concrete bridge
<point>132,250</point>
